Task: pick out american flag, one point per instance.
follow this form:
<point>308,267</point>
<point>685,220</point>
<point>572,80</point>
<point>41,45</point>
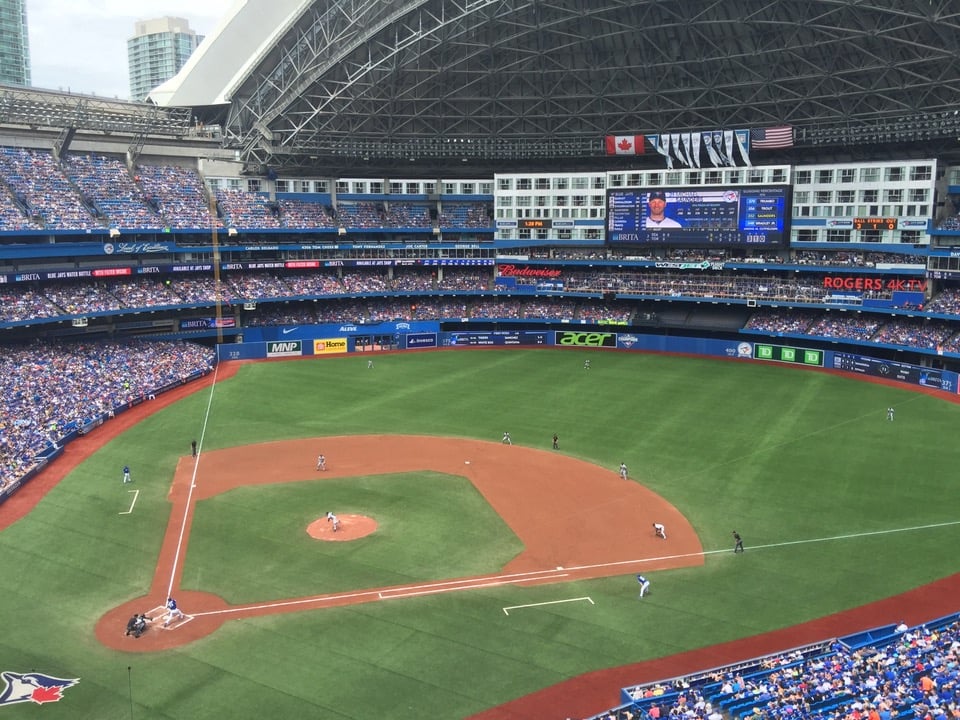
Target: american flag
<point>775,137</point>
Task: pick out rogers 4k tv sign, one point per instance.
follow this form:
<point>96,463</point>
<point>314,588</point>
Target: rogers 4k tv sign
<point>285,348</point>
<point>571,338</point>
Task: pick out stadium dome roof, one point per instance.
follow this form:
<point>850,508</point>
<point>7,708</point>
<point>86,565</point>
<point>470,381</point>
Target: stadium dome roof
<point>515,79</point>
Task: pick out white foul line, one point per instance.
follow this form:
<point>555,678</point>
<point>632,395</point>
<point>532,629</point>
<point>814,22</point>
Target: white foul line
<point>471,586</point>
<point>136,494</point>
<point>399,591</point>
<point>506,610</point>
<point>531,576</point>
<point>193,482</point>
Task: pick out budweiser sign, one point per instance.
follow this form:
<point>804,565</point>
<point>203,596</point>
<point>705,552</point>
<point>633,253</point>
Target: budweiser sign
<point>527,271</point>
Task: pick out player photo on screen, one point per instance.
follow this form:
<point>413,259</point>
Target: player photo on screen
<point>656,212</point>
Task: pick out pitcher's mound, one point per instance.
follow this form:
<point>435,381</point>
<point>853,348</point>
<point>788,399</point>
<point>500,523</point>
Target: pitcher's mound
<point>352,527</point>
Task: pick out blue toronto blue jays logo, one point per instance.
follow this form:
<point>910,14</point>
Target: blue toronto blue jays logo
<point>33,687</point>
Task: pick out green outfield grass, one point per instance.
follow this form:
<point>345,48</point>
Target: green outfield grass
<point>824,490</point>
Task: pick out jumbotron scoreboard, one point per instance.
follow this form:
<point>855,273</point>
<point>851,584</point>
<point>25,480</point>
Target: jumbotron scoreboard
<point>890,369</point>
<point>700,216</point>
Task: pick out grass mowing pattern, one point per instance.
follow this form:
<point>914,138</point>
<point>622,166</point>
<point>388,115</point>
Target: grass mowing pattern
<point>780,454</point>
<point>456,533</point>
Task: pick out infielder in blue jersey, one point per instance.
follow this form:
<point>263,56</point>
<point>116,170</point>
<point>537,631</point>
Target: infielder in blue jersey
<point>644,585</point>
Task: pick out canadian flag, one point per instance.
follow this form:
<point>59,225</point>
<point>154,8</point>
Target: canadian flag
<point>624,144</point>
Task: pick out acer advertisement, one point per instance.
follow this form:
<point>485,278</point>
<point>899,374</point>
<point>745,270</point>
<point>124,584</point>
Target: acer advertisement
<point>572,338</point>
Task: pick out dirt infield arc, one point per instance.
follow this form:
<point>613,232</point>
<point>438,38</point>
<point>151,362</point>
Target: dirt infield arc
<point>576,520</point>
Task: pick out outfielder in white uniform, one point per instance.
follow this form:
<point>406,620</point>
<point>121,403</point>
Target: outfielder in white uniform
<point>623,470</point>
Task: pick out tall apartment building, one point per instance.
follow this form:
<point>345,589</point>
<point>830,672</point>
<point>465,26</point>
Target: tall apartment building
<point>14,43</point>
<point>157,51</point>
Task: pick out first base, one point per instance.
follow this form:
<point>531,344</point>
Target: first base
<point>466,462</point>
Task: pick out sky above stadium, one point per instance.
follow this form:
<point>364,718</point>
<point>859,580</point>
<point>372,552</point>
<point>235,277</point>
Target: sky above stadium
<point>81,45</point>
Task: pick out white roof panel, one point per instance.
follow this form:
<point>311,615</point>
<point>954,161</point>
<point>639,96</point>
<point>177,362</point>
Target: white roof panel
<point>226,56</point>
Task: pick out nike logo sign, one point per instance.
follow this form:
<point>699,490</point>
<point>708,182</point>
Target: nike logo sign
<point>286,331</point>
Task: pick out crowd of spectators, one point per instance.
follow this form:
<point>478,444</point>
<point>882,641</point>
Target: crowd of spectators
<point>39,184</point>
<point>805,289</point>
<point>780,322</point>
<point>21,303</point>
<point>847,258</point>
<point>362,215</point>
<point>915,332</point>
<point>833,258</point>
<point>620,313</point>
<point>81,298</point>
<point>464,280</point>
<point>950,345</point>
<point>242,209</point>
<point>860,327</point>
<point>144,293</point>
<point>87,191</point>
<point>304,215</point>
<point>946,302</point>
<point>308,284</point>
<point>506,308</point>
<point>178,194</point>
<point>12,215</point>
<point>407,215</point>
<point>845,327</point>
<point>912,673</point>
<point>106,184</point>
<point>438,308</point>
<point>52,390</point>
<point>95,191</point>
<point>548,309</point>
<point>475,216</point>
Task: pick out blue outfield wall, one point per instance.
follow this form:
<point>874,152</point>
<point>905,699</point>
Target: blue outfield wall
<point>333,339</point>
<point>309,332</point>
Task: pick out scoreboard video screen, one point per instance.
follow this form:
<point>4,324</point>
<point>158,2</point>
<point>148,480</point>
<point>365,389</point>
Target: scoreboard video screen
<point>699,216</point>
<point>892,370</point>
<point>497,337</point>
